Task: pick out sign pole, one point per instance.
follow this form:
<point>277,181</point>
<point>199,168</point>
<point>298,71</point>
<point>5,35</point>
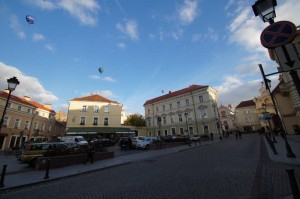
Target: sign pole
<point>296,80</point>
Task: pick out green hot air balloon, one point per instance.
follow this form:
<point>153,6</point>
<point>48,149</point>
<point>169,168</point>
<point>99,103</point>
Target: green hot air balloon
<point>101,70</point>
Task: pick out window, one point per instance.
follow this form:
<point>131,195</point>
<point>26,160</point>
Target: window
<point>28,110</point>
<point>166,132</point>
<point>43,127</point>
<point>201,99</point>
<point>172,118</point>
<point>106,121</point>
<point>157,109</point>
<point>17,123</point>
<point>19,108</point>
<point>35,126</point>
<point>96,108</point>
<point>203,113</point>
<point>84,108</point>
<point>164,120</point>
<point>181,131</point>
<point>95,121</point>
<point>148,111</point>
<point>164,107</point>
<point>178,104</point>
<point>247,112</point>
<point>106,109</point>
<point>6,121</point>
<point>26,125</point>
<point>187,102</point>
<point>170,105</point>
<point>173,131</point>
<point>82,120</point>
<point>191,130</point>
<point>180,117</point>
<point>149,122</point>
<point>49,129</point>
<point>9,105</point>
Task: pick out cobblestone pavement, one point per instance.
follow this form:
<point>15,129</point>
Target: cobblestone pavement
<point>230,169</point>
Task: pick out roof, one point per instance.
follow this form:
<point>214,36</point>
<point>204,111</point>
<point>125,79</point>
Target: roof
<point>247,103</point>
<point>175,93</point>
<point>26,102</point>
<point>93,98</point>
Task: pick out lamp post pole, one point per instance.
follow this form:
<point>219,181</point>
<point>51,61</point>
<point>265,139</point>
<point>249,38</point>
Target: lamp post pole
<point>187,129</point>
<point>12,84</point>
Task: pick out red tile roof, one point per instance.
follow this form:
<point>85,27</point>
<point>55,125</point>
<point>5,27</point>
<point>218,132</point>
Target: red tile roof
<point>94,98</point>
<point>23,101</point>
<point>247,103</point>
<point>175,93</point>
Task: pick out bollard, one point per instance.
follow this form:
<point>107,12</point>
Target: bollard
<point>47,169</point>
<point>293,183</point>
<point>3,176</point>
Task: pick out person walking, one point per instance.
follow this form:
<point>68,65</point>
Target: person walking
<point>90,154</point>
<point>212,136</point>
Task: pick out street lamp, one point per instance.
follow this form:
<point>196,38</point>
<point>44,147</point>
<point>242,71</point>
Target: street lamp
<point>12,84</point>
<point>187,128</point>
<point>266,116</point>
<point>265,9</point>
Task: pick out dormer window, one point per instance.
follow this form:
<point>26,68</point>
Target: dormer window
<point>84,108</point>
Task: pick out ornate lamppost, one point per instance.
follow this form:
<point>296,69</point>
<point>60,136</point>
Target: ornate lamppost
<point>12,84</point>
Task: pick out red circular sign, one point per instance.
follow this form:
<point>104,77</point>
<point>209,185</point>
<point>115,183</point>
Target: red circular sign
<point>278,34</point>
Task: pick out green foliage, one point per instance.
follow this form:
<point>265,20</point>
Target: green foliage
<point>135,120</point>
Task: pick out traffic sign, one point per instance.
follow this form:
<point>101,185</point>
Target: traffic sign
<point>278,34</point>
<point>289,60</point>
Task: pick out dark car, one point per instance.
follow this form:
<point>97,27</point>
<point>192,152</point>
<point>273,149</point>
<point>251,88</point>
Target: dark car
<point>105,142</point>
<point>125,143</point>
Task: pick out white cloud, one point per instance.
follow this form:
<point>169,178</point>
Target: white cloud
<point>129,28</point>
<point>83,10</point>
<point>109,79</point>
<point>94,77</point>
<point>29,86</point>
<point>188,12</point>
<point>211,34</point>
<point>121,45</point>
<point>16,27</point>
<point>50,47</point>
<point>105,93</point>
<point>38,37</point>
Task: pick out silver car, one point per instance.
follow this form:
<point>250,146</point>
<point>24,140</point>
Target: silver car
<point>145,144</point>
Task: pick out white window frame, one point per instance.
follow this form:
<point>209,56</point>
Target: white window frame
<point>82,120</point>
<point>84,108</point>
<point>96,108</point>
<point>17,123</point>
<point>106,109</point>
<point>105,123</point>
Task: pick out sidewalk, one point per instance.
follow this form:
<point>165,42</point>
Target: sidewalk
<point>19,175</point>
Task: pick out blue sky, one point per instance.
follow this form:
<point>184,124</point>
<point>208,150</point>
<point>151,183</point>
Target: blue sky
<point>144,47</point>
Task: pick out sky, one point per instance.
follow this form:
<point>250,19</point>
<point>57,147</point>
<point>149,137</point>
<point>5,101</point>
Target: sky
<point>146,48</point>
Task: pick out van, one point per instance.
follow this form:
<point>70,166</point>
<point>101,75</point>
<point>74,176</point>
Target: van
<point>77,139</point>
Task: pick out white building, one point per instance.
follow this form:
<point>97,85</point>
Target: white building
<point>193,108</point>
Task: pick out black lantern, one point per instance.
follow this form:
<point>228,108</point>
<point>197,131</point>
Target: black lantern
<point>12,83</point>
<point>265,9</point>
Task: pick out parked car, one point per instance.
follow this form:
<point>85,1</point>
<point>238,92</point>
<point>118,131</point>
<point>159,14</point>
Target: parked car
<point>194,138</point>
<point>145,144</point>
<point>205,138</point>
<point>104,141</point>
<point>136,140</point>
<point>125,143</point>
<point>35,150</point>
<point>169,138</point>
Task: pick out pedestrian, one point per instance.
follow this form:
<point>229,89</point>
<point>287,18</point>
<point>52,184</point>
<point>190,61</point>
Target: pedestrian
<point>237,135</point>
<point>90,154</point>
<point>240,135</point>
<point>212,136</point>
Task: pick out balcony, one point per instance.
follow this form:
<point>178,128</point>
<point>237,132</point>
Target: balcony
<point>82,123</point>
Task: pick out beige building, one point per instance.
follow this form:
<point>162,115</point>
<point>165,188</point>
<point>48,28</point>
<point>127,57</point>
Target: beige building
<point>246,117</point>
<point>26,120</point>
<point>193,108</point>
<point>227,118</point>
<point>95,115</point>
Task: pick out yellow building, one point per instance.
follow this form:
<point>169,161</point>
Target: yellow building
<point>192,110</point>
<point>26,120</point>
<point>246,117</point>
<point>95,115</point>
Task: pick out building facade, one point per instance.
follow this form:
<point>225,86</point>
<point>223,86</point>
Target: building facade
<point>189,111</point>
<point>227,118</point>
<point>247,117</point>
<point>26,120</point>
<point>95,115</point>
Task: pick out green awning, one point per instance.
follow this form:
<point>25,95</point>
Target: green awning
<point>95,130</point>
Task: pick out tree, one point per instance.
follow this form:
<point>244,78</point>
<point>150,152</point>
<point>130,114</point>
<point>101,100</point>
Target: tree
<point>135,120</point>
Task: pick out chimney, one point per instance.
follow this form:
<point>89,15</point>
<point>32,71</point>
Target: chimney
<point>48,106</point>
<point>26,98</point>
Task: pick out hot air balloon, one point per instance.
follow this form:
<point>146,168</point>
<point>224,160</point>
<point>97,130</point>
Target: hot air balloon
<point>101,70</point>
<point>30,19</point>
